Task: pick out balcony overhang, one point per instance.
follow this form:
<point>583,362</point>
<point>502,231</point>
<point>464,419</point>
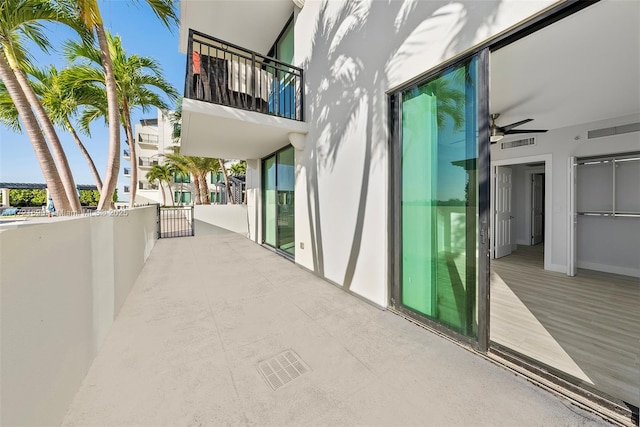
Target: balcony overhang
<point>218,131</point>
<point>253,24</point>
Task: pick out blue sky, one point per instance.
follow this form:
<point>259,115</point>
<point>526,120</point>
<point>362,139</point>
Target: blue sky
<point>143,34</point>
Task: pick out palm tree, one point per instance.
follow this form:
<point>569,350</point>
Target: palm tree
<point>135,78</point>
<point>20,19</point>
<point>161,173</point>
<point>182,165</point>
<point>62,99</point>
<point>90,15</point>
<point>239,168</point>
<point>226,182</point>
<point>198,167</point>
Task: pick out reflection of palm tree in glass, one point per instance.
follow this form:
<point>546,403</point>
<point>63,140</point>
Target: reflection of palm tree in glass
<point>343,86</point>
<point>450,98</point>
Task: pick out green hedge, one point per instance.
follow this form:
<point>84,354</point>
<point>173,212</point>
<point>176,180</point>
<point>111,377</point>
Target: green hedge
<point>31,198</point>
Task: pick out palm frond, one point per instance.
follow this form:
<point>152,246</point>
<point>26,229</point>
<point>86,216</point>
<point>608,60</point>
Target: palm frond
<point>8,111</point>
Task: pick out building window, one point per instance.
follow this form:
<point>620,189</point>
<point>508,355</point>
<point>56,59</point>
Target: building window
<point>182,197</point>
<point>180,177</point>
<point>217,177</point>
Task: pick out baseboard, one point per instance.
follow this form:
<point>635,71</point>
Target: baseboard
<point>613,269</point>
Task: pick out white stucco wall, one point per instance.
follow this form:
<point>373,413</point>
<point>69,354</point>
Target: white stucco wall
<point>254,194</point>
<point>622,236</point>
<point>62,283</point>
<point>352,54</point>
<point>230,217</point>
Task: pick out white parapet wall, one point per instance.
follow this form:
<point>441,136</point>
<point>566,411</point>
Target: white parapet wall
<point>229,217</point>
<point>62,284</point>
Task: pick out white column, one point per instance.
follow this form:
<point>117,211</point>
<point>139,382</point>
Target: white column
<point>5,197</point>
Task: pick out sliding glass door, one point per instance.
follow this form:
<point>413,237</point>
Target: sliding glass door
<point>438,199</point>
<point>278,189</point>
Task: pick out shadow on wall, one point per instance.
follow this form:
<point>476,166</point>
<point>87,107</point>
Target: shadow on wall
<point>353,51</point>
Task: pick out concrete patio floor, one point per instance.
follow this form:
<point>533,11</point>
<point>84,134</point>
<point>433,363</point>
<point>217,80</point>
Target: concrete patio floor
<point>207,309</point>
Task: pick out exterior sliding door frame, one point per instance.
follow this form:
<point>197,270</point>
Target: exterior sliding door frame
<point>482,52</point>
<point>481,342</point>
<point>265,206</point>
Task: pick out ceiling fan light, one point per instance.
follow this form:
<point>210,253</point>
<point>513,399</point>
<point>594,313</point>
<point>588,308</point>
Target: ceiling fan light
<point>496,133</point>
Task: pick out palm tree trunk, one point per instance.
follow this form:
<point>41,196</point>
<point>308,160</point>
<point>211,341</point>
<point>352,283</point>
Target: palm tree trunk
<point>45,159</point>
<point>113,159</point>
<point>56,147</point>
<point>126,116</point>
<point>196,190</point>
<point>204,189</point>
<point>173,198</point>
<point>164,197</point>
<point>85,153</point>
<point>226,182</point>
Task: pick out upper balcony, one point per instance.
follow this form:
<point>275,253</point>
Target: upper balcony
<point>147,162</point>
<point>238,104</point>
<point>148,139</point>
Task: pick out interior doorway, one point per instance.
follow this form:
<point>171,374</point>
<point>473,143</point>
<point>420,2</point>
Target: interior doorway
<point>519,204</point>
<point>536,212</point>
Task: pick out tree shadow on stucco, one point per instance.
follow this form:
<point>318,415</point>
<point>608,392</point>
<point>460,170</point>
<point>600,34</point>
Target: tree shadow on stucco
<point>347,75</point>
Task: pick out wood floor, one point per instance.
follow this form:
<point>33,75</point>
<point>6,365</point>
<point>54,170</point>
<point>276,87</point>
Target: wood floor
<point>587,326</point>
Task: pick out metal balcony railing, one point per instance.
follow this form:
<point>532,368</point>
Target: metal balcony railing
<point>226,74</point>
<point>142,185</point>
<point>146,162</point>
<point>146,138</point>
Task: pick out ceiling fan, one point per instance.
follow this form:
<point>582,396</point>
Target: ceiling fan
<point>498,132</point>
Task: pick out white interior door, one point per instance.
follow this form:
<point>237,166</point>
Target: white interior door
<point>503,211</point>
<point>537,210</point>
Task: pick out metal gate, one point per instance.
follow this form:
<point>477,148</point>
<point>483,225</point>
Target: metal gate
<point>175,222</point>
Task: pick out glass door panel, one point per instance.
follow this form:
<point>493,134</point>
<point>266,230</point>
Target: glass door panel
<point>438,199</point>
<point>269,200</point>
<point>285,213</point>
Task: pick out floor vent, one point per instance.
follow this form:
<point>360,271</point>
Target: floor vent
<point>282,369</point>
<point>616,130</point>
<point>517,143</point>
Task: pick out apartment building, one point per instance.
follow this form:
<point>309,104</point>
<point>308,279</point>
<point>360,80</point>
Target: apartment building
<point>472,166</point>
<point>154,140</point>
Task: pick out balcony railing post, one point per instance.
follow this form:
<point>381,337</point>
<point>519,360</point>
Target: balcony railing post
<point>256,75</point>
<point>301,97</point>
<point>188,86</point>
<point>193,222</point>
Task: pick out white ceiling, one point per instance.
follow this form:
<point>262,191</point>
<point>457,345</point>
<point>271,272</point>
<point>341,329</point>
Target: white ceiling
<point>252,24</point>
<point>581,69</point>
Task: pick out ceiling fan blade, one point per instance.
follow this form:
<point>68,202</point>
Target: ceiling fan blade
<point>514,131</point>
<point>516,124</point>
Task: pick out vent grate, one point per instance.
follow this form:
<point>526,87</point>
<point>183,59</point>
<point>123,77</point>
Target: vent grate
<point>615,130</point>
<point>282,369</point>
<point>518,143</point>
